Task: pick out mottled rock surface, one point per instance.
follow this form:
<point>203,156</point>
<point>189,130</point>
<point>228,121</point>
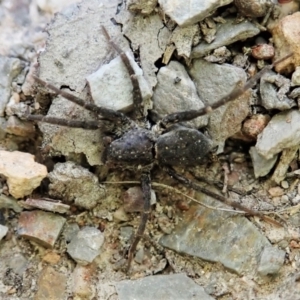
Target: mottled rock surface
<point>22,172</point>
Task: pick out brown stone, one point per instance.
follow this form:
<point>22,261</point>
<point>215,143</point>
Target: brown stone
<point>41,227</point>
<point>51,285</point>
<point>286,37</point>
<point>22,172</point>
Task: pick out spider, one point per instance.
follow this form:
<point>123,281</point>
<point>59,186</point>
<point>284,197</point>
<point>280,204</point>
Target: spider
<point>167,144</point>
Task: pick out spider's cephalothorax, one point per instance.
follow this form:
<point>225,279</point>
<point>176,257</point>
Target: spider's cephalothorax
<point>167,145</point>
<point>135,148</point>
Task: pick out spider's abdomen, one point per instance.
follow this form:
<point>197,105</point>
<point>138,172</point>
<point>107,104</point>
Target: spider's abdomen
<point>182,147</point>
<point>134,148</point>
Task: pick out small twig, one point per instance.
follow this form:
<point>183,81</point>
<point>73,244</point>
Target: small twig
<point>156,184</point>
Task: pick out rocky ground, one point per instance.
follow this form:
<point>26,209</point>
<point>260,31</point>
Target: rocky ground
<point>67,219</point>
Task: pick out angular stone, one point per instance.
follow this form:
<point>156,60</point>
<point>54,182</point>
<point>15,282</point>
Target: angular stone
<point>73,183</point>
<point>217,236</point>
<point>10,203</point>
<point>167,287</point>
<point>22,172</point>
<point>18,127</point>
<point>271,141</point>
<point>261,165</point>
<point>9,69</point>
<point>227,33</point>
<point>213,82</point>
<point>39,226</point>
<point>85,246</point>
<point>18,263</point>
<point>51,285</point>
<point>3,231</point>
<point>272,259</point>
<point>296,77</point>
<point>82,284</point>
<point>189,12</point>
<point>171,96</point>
<point>52,258</point>
<point>273,96</point>
<point>112,88</point>
<point>287,156</point>
<point>286,38</point>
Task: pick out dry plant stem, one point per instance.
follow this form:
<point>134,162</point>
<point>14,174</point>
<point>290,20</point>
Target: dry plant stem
<point>243,210</point>
<point>223,199</point>
<point>92,125</point>
<point>161,185</point>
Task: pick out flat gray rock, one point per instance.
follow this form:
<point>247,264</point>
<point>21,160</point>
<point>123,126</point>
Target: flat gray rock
<point>227,34</point>
<point>261,165</point>
<point>272,140</point>
<point>166,287</point>
<point>214,81</point>
<point>273,96</point>
<point>112,88</point>
<point>271,261</point>
<point>218,236</point>
<point>85,245</point>
<point>175,91</point>
<point>190,12</point>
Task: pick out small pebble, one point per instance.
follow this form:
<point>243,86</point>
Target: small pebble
<point>120,215</point>
<point>253,126</point>
<point>294,244</point>
<point>276,191</point>
<point>296,200</point>
<point>284,199</point>
<point>252,8</point>
<point>139,256</point>
<point>51,258</point>
<point>182,205</point>
<point>263,51</point>
<point>284,184</point>
<point>3,231</point>
<point>271,261</point>
<point>296,77</point>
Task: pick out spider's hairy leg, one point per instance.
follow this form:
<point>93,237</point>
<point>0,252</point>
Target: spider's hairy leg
<point>92,125</point>
<point>146,188</point>
<point>197,187</point>
<point>106,113</point>
<point>192,114</point>
<point>137,93</point>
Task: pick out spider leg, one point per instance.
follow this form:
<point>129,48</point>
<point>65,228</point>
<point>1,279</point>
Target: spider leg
<point>109,114</point>
<point>192,114</point>
<point>137,94</point>
<point>234,204</point>
<point>92,125</point>
<point>146,188</point>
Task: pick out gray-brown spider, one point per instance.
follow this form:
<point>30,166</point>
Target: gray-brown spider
<point>168,146</point>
